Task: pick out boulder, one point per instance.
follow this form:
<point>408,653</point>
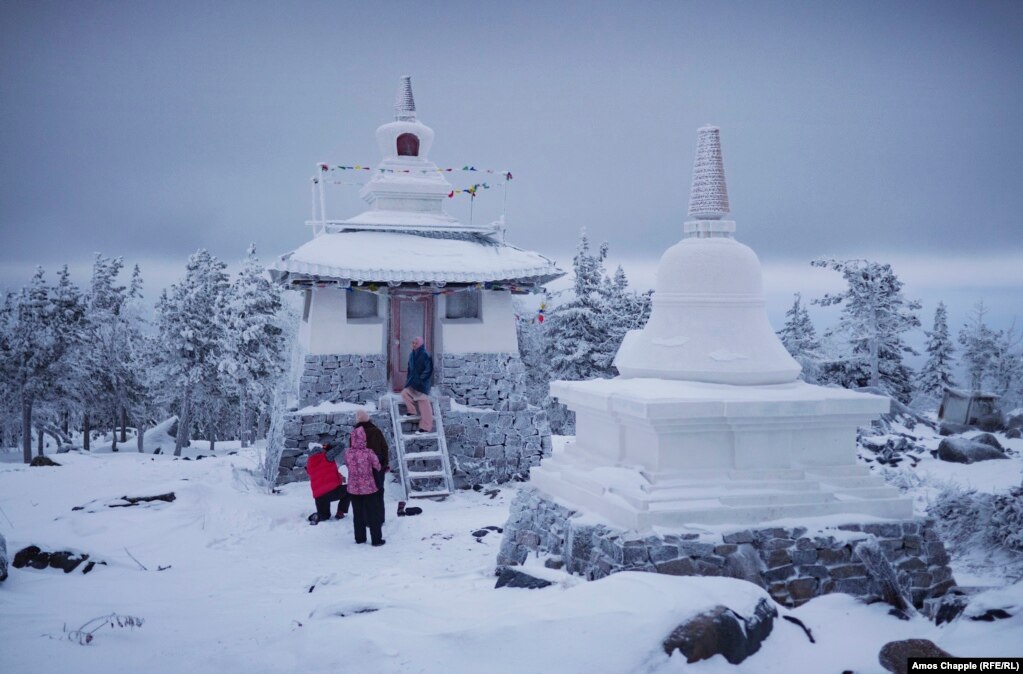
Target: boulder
<point>24,556</point>
<point>1014,434</point>
<point>3,558</point>
<point>989,440</point>
<point>991,422</point>
<point>512,578</point>
<point>949,428</point>
<point>722,631</point>
<point>894,655</point>
<point>1015,421</point>
<point>43,461</point>
<point>963,450</point>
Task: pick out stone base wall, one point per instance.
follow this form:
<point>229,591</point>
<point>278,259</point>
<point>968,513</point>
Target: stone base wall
<point>793,564</point>
<point>348,377</point>
<point>484,446</point>
<point>481,379</point>
<point>333,428</point>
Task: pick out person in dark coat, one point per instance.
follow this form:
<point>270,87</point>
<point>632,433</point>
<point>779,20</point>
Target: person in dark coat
<point>327,485</point>
<point>366,510</point>
<point>416,393</point>
<point>376,441</point>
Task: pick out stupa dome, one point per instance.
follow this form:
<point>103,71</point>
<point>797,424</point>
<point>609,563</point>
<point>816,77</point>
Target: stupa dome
<point>708,320</point>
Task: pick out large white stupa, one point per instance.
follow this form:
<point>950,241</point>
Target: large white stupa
<point>708,423</point>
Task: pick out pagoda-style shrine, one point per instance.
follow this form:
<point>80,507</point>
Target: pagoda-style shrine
<point>402,269</point>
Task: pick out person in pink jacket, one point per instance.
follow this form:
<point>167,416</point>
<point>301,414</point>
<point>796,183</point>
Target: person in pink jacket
<point>367,510</point>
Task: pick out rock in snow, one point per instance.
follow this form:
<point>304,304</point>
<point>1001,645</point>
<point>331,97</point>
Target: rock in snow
<point>722,631</point>
<point>963,450</point>
<point>894,655</point>
<point>3,558</point>
<point>512,578</point>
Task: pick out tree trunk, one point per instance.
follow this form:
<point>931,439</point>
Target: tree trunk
<point>183,421</point>
<point>260,424</point>
<point>86,431</point>
<point>124,425</point>
<point>64,422</point>
<point>26,428</point>
<point>243,417</point>
<point>140,441</point>
<point>113,435</point>
<point>40,440</point>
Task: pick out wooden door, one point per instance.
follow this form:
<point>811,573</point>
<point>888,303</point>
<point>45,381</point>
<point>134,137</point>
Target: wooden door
<point>411,316</point>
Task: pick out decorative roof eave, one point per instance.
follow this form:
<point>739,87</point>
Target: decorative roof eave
<point>292,274</point>
<point>396,258</point>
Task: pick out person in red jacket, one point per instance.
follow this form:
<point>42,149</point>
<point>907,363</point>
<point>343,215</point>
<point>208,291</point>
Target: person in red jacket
<point>327,485</point>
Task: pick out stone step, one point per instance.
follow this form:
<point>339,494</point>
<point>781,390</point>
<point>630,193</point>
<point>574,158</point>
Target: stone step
<point>765,499</point>
<point>867,492</point>
<point>748,515</point>
<point>659,492</point>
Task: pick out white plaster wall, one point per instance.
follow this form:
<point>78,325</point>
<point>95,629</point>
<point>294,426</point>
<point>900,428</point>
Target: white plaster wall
<point>494,332</point>
<point>329,330</point>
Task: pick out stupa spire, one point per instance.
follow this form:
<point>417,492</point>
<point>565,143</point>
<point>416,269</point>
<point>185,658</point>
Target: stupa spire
<point>708,199</point>
<point>404,103</point>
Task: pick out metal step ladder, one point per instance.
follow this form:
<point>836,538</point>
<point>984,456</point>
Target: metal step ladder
<point>413,480</point>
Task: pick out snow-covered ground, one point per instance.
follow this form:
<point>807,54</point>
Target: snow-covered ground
<point>251,587</point>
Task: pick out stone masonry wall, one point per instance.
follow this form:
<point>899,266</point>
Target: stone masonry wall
<point>794,564</point>
<point>493,435</point>
<point>481,379</point>
<point>484,445</point>
<point>348,377</point>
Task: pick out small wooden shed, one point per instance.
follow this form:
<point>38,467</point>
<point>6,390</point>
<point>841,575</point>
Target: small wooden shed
<point>967,407</point>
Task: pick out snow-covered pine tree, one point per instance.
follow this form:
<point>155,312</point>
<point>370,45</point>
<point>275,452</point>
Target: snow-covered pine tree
<point>192,337</point>
<point>253,354</point>
<point>623,310</point>
<point>1007,366</point>
<point>577,327</point>
<point>41,324</point>
<point>979,346</point>
<point>874,317</point>
<point>800,338</point>
<point>936,373</point>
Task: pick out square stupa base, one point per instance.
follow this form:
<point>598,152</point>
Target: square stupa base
<point>653,453</point>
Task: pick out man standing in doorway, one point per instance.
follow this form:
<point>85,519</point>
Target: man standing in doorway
<point>416,393</point>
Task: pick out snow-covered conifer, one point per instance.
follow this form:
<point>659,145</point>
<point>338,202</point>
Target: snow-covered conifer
<point>936,374</point>
<point>253,354</point>
<point>979,345</point>
<point>800,338</point>
<point>576,328</point>
<point>192,337</point>
<point>874,317</point>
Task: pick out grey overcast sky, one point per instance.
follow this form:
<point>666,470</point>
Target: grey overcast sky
<point>891,130</point>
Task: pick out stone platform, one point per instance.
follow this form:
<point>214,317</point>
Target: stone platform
<point>794,563</point>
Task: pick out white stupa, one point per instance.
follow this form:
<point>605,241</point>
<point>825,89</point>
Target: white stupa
<point>708,423</point>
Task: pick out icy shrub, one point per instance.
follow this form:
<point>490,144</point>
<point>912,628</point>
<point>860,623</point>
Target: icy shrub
<point>1007,518</point>
<point>971,519</point>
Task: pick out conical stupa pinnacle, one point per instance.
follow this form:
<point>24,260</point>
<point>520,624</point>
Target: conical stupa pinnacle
<point>404,104</point>
<point>708,199</point>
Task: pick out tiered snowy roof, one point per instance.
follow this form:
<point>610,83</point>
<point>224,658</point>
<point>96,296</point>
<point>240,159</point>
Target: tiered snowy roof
<point>708,199</point>
<point>408,257</point>
<point>405,236</point>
